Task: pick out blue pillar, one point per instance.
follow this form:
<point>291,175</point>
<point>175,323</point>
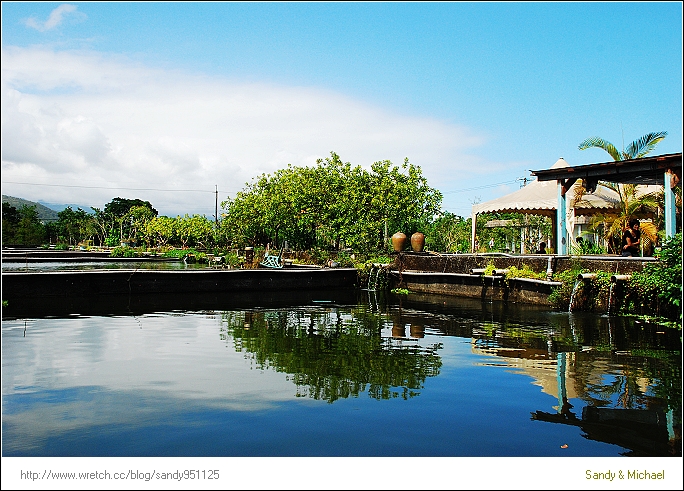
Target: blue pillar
<point>670,209</point>
<point>561,232</point>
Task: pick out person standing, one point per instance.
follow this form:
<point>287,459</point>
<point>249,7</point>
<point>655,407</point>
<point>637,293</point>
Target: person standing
<point>491,244</point>
<point>631,239</point>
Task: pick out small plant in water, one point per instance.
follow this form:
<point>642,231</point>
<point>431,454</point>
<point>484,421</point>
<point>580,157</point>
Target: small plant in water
<point>400,291</point>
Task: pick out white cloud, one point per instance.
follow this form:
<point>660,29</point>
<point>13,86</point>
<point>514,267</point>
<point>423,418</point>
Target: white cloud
<point>55,19</point>
<point>82,119</point>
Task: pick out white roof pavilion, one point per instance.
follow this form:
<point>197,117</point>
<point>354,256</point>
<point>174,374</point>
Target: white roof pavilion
<point>541,198</point>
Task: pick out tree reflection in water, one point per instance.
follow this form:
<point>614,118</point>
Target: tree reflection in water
<point>617,379</point>
<point>331,354</point>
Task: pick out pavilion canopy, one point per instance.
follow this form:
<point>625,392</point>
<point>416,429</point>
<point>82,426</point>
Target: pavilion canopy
<point>541,198</point>
<point>661,171</point>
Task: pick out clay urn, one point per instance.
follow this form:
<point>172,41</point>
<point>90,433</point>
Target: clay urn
<point>417,331</point>
<point>398,330</point>
<point>398,241</point>
<point>418,242</point>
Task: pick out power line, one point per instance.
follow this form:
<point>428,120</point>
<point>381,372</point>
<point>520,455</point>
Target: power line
<point>118,188</point>
<point>484,186</point>
<point>112,189</point>
<point>481,187</point>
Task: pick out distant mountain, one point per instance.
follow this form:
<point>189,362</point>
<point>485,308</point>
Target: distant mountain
<point>60,207</point>
<point>45,214</point>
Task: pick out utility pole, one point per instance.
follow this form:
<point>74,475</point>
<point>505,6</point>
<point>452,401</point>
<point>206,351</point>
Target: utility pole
<point>216,212</point>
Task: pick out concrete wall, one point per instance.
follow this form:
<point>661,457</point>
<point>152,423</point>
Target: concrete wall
<point>136,282</point>
<point>519,290</point>
<point>450,274</point>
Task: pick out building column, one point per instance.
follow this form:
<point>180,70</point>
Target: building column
<point>561,230</point>
<point>670,208</point>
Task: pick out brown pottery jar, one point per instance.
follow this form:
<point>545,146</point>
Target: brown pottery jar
<point>398,241</point>
<point>418,242</point>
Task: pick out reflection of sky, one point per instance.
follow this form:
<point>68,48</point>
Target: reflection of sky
<point>181,355</point>
<point>171,384</point>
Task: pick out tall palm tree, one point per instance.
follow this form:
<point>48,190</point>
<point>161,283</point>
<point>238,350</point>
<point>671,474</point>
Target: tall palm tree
<point>637,149</point>
<point>632,203</point>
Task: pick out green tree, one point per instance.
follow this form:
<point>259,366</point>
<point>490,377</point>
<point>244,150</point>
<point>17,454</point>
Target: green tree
<point>194,230</point>
<point>10,222</point>
<point>160,230</point>
<point>120,206</point>
<point>72,226</point>
<point>116,216</point>
<point>22,227</point>
<point>449,233</point>
<point>331,205</point>
<point>137,219</point>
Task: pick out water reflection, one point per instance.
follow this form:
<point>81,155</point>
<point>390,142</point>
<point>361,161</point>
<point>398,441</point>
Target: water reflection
<point>332,353</point>
<point>626,372</point>
<point>330,373</point>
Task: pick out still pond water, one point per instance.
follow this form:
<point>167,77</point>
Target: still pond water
<point>347,373</point>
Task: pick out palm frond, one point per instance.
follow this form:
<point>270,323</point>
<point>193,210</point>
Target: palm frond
<point>597,142</point>
<point>609,185</point>
<point>644,145</point>
<point>649,235</point>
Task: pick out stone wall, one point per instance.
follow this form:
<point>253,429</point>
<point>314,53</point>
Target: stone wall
<point>519,290</point>
<point>463,263</point>
<point>450,274</point>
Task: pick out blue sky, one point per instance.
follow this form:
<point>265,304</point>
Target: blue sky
<point>165,101</point>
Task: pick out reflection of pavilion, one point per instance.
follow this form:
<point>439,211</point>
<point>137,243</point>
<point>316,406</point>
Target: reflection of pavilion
<point>645,432</point>
<point>538,364</point>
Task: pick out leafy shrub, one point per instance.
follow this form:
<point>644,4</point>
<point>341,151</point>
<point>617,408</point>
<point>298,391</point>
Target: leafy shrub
<point>560,295</point>
<point>179,253</point>
<point>123,251</point>
<point>489,270</point>
<point>589,295</point>
<point>657,289</point>
<point>524,272</point>
<point>380,278</point>
<point>233,259</point>
<point>112,241</point>
<point>188,255</point>
<point>597,289</point>
<point>585,248</point>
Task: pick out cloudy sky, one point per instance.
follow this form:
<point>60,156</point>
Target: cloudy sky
<point>168,102</point>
